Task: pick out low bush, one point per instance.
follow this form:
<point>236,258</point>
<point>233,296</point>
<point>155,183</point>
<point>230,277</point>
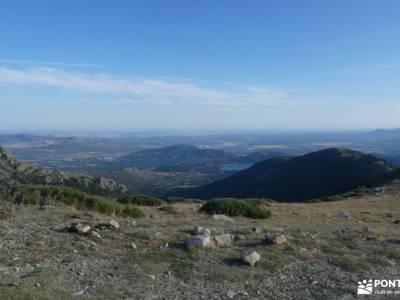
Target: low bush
<point>80,200</point>
<point>236,207</point>
<point>142,200</point>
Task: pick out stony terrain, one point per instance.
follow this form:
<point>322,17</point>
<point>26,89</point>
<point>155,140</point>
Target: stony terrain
<point>329,247</point>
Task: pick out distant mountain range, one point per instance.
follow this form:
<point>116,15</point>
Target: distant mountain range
<point>13,171</point>
<point>318,174</point>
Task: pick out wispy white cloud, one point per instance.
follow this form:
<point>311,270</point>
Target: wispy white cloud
<point>46,63</point>
<point>133,89</point>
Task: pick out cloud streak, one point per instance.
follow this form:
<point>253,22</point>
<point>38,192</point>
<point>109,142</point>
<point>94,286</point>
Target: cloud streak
<point>132,89</point>
<point>46,63</point>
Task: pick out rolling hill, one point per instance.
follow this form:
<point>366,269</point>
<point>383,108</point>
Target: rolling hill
<point>318,174</point>
<point>177,158</point>
<point>188,158</point>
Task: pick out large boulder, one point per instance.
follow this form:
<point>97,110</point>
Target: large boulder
<point>223,240</point>
<point>198,242</point>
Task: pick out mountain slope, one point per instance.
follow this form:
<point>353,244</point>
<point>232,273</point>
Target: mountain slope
<point>13,171</point>
<point>318,174</point>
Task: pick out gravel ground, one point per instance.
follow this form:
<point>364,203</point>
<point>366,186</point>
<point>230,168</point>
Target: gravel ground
<point>324,258</point>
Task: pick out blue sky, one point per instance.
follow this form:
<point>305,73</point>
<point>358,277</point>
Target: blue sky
<point>199,65</point>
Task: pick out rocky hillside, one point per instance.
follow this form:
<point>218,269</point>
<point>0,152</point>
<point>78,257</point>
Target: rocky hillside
<point>18,172</point>
<point>315,175</point>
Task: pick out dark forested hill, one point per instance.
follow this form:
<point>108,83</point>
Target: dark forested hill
<point>318,174</point>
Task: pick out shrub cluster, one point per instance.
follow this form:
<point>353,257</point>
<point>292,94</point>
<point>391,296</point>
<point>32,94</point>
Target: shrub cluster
<point>142,200</point>
<point>38,194</point>
<point>236,207</point>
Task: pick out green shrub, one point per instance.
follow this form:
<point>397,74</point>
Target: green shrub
<point>235,207</point>
<point>142,200</point>
<point>80,200</point>
<point>172,200</point>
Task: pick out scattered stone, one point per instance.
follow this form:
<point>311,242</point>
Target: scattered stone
<point>132,223</point>
<point>37,285</point>
<point>133,245</point>
<point>199,230</point>
<point>108,224</point>
<point>198,241</point>
<point>251,258</point>
<point>222,218</point>
<point>397,222</point>
<point>81,228</point>
<point>257,229</point>
<point>343,215</point>
<point>389,215</point>
<point>96,234</point>
<point>238,237</point>
<point>231,294</point>
<point>391,262</point>
<point>223,240</point>
<point>152,277</point>
<point>79,293</point>
<point>276,239</point>
<point>114,224</point>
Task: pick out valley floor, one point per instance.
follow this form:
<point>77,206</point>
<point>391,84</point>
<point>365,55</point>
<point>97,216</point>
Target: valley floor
<point>324,258</point>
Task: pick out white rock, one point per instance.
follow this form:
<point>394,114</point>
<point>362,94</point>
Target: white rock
<point>223,240</point>
<point>96,234</point>
<point>344,215</point>
<point>257,229</point>
<point>231,294</point>
<point>198,241</point>
<point>133,245</point>
<point>251,258</point>
<point>199,230</point>
<point>82,228</point>
<point>114,224</point>
<point>222,218</point>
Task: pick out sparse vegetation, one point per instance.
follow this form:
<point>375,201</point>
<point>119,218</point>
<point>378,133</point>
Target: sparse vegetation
<point>169,210</point>
<point>37,194</point>
<point>235,207</point>
<point>141,200</point>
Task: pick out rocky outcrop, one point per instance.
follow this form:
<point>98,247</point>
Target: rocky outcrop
<point>16,171</point>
